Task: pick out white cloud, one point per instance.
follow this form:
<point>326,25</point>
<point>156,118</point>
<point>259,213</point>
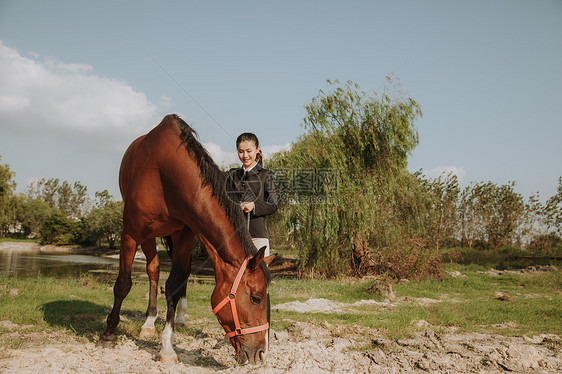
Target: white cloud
<point>268,150</point>
<point>66,100</point>
<point>13,103</point>
<point>446,170</point>
<point>221,158</point>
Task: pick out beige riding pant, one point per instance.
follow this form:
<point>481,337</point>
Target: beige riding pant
<point>260,242</point>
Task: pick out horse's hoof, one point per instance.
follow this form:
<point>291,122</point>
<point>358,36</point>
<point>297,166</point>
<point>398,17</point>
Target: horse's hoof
<point>167,359</point>
<point>106,342</point>
<point>147,333</point>
<point>179,324</point>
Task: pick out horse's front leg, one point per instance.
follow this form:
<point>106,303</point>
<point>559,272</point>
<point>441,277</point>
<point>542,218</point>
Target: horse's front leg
<point>173,295</point>
<point>180,312</point>
<point>120,289</point>
<point>182,304</point>
<point>153,271</point>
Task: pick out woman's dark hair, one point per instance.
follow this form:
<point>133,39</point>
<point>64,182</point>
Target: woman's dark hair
<point>250,137</point>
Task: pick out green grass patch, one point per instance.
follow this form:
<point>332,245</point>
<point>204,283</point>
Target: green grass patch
<point>8,240</point>
<point>80,306</point>
<point>500,259</point>
<point>466,303</point>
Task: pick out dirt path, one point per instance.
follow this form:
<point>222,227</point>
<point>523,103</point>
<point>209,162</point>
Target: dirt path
<point>304,347</point>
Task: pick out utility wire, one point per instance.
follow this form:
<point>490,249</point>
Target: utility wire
<point>190,95</point>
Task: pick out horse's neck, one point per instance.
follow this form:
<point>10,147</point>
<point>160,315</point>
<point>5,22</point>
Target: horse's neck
<point>232,254</point>
<point>225,244</point>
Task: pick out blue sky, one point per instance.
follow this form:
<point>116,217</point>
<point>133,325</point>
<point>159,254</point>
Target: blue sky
<point>80,80</point>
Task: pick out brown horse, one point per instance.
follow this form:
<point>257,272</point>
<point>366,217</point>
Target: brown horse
<point>171,186</point>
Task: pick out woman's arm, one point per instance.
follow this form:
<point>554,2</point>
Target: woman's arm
<point>268,205</point>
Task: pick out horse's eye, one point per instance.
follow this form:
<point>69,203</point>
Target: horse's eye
<point>255,300</point>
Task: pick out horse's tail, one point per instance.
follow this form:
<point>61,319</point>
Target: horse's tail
<point>169,244</point>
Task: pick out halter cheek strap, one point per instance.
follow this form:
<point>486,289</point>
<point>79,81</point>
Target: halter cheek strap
<point>231,299</point>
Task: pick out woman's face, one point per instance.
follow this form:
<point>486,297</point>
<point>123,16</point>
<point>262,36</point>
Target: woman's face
<point>247,152</point>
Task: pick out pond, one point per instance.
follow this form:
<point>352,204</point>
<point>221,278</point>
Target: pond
<point>24,261</point>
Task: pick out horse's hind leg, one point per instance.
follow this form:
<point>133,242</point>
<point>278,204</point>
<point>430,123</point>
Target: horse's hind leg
<point>120,289</point>
<point>175,290</point>
<point>153,271</point>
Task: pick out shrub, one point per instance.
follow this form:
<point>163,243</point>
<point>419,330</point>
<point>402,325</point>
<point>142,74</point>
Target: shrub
<point>59,229</point>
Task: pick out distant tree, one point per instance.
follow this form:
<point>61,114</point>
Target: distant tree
<point>59,229</point>
<point>441,223</point>
<point>545,223</point>
<point>103,198</point>
<point>7,207</point>
<point>553,211</point>
<point>490,214</point>
<point>68,198</point>
<point>105,221</point>
<point>46,190</point>
<point>31,214</point>
<point>64,197</point>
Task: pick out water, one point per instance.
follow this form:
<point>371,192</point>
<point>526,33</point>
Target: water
<point>29,262</point>
<point>25,260</point>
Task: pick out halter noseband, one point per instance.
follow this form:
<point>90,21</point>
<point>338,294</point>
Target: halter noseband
<point>231,298</point>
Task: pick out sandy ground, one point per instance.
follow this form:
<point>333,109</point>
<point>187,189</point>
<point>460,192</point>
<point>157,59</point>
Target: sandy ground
<point>302,348</point>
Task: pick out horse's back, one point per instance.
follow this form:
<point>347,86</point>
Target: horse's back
<point>146,153</point>
<point>141,173</point>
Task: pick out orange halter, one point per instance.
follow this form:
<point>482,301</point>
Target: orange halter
<point>231,298</point>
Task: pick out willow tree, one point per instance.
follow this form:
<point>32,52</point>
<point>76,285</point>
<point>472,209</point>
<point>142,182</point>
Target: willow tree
<point>352,162</point>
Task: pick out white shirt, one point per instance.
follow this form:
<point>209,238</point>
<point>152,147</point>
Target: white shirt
<point>247,170</point>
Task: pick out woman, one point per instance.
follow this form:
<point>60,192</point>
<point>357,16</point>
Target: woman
<point>254,188</point>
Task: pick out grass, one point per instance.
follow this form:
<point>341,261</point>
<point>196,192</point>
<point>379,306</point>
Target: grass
<point>501,259</point>
<point>19,240</point>
<point>470,303</point>
<point>466,303</point>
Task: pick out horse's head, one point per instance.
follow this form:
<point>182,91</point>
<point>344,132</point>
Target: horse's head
<point>240,304</point>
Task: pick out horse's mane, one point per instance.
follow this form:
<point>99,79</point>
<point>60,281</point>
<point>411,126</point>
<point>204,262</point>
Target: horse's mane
<point>213,177</point>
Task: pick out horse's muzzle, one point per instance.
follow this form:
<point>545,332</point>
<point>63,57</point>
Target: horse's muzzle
<point>250,356</point>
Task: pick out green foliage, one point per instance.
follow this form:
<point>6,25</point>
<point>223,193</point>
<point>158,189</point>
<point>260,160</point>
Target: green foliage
<point>57,210</point>
<point>31,214</point>
<point>547,244</point>
<point>7,187</point>
<point>67,198</point>
<point>501,259</point>
<point>60,230</point>
<point>553,211</point>
<point>105,221</point>
<point>349,205</point>
<point>490,214</point>
<point>363,143</point>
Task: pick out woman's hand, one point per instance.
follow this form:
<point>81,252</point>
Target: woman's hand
<point>247,207</point>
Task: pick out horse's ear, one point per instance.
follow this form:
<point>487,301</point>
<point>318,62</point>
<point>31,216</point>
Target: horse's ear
<point>257,259</point>
<point>269,259</point>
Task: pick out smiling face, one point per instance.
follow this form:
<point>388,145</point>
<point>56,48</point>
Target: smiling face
<point>247,152</point>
